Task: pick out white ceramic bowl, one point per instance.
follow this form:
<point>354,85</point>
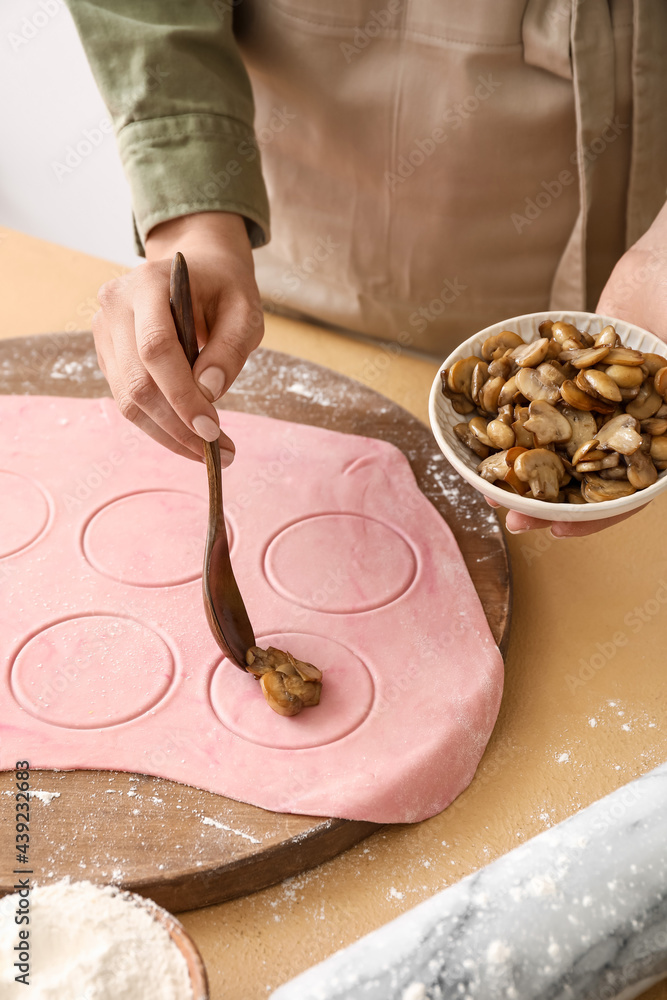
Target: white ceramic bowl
<point>443,418</point>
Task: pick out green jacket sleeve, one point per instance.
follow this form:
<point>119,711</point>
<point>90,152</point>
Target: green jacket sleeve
<point>180,99</point>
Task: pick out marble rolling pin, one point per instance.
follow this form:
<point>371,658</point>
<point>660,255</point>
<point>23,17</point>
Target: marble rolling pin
<point>579,911</point>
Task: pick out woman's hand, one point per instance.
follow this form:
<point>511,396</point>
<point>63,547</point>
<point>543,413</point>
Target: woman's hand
<point>137,346</point>
<point>636,292</point>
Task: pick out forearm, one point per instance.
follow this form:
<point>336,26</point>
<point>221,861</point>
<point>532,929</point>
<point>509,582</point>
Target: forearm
<point>176,88</point>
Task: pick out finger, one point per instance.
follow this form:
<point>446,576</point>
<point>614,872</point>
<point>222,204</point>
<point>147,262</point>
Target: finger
<point>136,390</point>
<point>491,503</point>
<point>237,329</point>
<point>517,523</point>
<point>576,529</point>
<point>164,360</point>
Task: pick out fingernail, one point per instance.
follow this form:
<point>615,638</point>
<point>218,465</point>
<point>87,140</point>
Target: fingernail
<point>226,458</point>
<point>517,531</point>
<point>206,428</point>
<point>554,535</point>
<point>212,380</point>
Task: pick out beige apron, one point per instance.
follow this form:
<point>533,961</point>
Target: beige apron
<point>435,166</point>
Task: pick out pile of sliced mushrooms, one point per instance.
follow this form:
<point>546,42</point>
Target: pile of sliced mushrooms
<point>289,685</point>
<point>567,418</point>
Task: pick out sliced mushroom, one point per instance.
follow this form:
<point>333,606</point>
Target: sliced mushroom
<point>506,413</point>
<point>620,434</point>
<point>659,448</point>
<point>573,495</point>
<point>545,327</point>
<point>524,438</point>
<point>585,450</point>
<point>600,383</point>
<point>494,347</point>
<point>462,405</point>
<point>465,435</point>
<point>562,332</point>
<point>583,427</point>
<point>655,425</point>
<point>618,472</point>
<point>479,375</point>
<point>586,357</point>
<point>595,489</point>
<point>478,427</point>
<point>654,362</point>
<point>459,378</point>
<point>531,385</point>
<point>607,337</point>
<point>501,366</point>
<point>547,424</point>
<point>542,470</point>
<point>308,692</point>
<point>508,392</point>
<point>576,397</point>
<point>660,382</point>
<point>628,394</point>
<point>489,393</point>
<point>459,402</point>
<point>608,461</point>
<point>624,356</point>
<point>647,402</point>
<point>494,467</point>
<point>530,355</point>
<point>641,470</point>
<point>551,372</point>
<point>500,434</point>
<point>625,376</point>
<point>279,698</point>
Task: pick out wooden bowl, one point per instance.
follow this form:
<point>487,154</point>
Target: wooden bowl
<point>182,940</point>
<point>443,418</point>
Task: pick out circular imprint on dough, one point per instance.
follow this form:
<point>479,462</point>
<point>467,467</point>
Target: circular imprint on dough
<point>347,697</point>
<point>151,539</point>
<point>342,564</point>
<point>92,672</point>
<point>24,512</point>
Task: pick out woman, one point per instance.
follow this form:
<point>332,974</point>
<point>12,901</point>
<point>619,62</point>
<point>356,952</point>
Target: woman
<point>432,166</point>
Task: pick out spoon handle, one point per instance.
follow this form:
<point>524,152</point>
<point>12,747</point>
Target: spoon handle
<point>184,321</point>
<point>181,308</point>
<point>225,611</point>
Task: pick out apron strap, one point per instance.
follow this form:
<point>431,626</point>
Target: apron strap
<point>592,55</point>
<point>648,165</point>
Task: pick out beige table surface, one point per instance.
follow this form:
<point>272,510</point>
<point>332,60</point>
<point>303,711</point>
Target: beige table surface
<point>567,732</point>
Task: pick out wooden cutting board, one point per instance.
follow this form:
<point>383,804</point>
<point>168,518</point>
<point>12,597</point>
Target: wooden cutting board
<point>183,847</point>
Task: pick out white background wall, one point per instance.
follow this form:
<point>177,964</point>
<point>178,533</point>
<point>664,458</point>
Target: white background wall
<point>48,99</point>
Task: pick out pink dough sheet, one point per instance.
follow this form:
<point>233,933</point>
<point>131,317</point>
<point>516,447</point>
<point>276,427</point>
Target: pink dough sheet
<point>107,659</point>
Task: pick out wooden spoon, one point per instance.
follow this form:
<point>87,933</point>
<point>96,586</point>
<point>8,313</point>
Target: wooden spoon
<point>225,611</point>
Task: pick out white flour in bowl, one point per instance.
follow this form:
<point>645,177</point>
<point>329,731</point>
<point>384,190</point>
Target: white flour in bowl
<point>88,942</point>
